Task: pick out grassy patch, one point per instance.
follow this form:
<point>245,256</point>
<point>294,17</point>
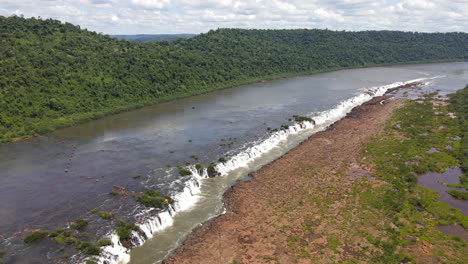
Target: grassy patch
<point>458,195</point>
<point>79,225</point>
<point>35,236</point>
<point>399,155</point>
<point>106,215</point>
<point>184,172</point>
<point>104,242</point>
<point>124,229</point>
<point>153,198</point>
<point>199,167</point>
<point>299,119</point>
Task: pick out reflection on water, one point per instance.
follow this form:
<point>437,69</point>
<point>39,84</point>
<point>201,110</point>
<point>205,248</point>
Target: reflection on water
<point>456,230</point>
<point>439,181</point>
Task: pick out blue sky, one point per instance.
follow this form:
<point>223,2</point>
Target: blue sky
<point>196,16</point>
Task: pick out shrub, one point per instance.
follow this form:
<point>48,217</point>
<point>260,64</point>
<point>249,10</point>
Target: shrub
<point>222,159</point>
<point>105,215</point>
<point>35,236</point>
<point>79,224</point>
<point>199,167</point>
<point>136,176</point>
<point>104,242</point>
<point>212,170</point>
<point>124,229</point>
<point>53,234</point>
<point>298,118</point>
<point>153,198</point>
<point>113,192</point>
<point>88,248</point>
<point>184,172</point>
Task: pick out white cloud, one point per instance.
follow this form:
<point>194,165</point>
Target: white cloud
<point>195,16</point>
<point>420,4</point>
<point>152,3</point>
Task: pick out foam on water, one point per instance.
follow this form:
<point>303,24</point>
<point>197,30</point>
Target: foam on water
<point>151,221</point>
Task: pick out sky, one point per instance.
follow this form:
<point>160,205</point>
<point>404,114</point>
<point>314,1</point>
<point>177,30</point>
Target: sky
<point>197,16</point>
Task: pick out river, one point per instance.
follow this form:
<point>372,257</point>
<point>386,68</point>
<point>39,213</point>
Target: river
<point>50,181</point>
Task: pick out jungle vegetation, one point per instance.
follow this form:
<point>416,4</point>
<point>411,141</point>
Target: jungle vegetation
<point>153,37</point>
<point>55,74</point>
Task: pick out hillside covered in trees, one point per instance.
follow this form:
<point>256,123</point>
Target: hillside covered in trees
<point>153,38</point>
<point>55,74</point>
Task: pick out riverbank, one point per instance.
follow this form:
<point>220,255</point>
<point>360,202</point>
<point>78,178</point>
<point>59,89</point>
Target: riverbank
<point>329,201</point>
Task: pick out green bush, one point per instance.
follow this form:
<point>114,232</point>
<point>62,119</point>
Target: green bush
<point>88,248</point>
<point>35,236</point>
<point>302,118</point>
<point>184,172</point>
<point>212,169</point>
<point>124,229</point>
<point>153,198</point>
<point>79,224</point>
<point>104,242</point>
<point>106,215</point>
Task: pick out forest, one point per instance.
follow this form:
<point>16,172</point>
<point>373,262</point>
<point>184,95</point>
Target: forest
<point>55,74</point>
<point>152,37</point>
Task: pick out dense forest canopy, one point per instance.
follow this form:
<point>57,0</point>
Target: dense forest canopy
<point>54,74</point>
<point>153,37</point>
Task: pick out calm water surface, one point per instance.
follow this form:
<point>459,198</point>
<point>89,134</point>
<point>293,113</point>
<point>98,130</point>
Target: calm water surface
<point>50,181</point>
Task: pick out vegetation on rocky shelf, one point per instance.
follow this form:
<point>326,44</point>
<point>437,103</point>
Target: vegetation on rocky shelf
<point>106,215</point>
<point>124,229</point>
<point>69,237</point>
<point>104,242</point>
<point>56,74</point>
<point>153,198</point>
<point>399,155</point>
<point>459,104</point>
<point>211,170</point>
<point>184,172</point>
<point>299,119</point>
<point>79,225</point>
<point>199,167</point>
<point>35,236</point>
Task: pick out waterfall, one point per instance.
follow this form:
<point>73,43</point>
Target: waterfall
<point>151,221</point>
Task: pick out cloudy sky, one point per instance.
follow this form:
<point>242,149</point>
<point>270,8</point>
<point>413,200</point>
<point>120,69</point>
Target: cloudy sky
<point>196,16</point>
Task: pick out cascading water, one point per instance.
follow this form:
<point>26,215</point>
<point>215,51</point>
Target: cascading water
<point>151,221</point>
